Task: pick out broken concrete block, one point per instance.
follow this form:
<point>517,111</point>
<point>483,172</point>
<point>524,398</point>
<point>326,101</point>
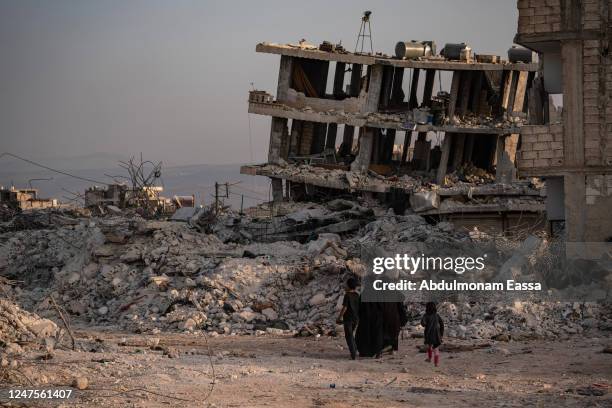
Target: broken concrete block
<point>317,299</point>
<point>270,314</point>
<point>424,200</point>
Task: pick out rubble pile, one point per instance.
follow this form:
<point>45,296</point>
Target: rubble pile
<point>393,228</point>
<point>521,320</point>
<point>218,274</point>
<point>487,121</point>
<point>338,178</point>
<point>7,212</point>
<point>147,275</point>
<point>469,173</point>
<point>19,326</point>
<point>16,220</point>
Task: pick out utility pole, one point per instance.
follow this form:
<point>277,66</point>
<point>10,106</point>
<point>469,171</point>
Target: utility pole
<point>216,198</point>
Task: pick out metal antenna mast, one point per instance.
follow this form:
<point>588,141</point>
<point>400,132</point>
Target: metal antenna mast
<point>365,31</point>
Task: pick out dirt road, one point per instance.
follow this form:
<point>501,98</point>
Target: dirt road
<point>127,370</point>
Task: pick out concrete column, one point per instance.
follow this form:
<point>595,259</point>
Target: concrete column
<point>430,76</point>
<point>446,146</point>
<point>318,137</point>
<point>285,140</point>
<point>452,103</point>
<point>355,80</point>
<point>277,190</point>
<point>332,130</point>
<point>364,156</point>
<point>354,89</point>
<point>458,150</point>
<point>574,186</point>
<point>466,87</point>
<point>573,93</point>
<point>469,147</point>
<point>397,95</point>
<point>374,88</point>
<point>284,78</point>
<point>407,141</point>
<point>347,140</point>
<point>277,130</point>
<point>387,84</point>
<point>413,101</point>
<point>505,171</point>
<point>339,79</point>
<point>306,138</point>
<point>422,151</point>
<point>296,134</point>
<point>387,154</point>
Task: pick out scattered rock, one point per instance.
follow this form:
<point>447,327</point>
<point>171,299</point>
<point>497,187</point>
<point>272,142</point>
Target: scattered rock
<point>80,383</point>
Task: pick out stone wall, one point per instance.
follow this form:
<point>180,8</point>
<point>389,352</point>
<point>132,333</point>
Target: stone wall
<point>539,16</point>
<point>598,202</point>
<point>597,84</point>
<point>541,147</point>
<point>592,134</point>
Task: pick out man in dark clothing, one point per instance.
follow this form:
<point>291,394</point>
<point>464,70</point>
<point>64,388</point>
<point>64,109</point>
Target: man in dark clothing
<point>349,315</point>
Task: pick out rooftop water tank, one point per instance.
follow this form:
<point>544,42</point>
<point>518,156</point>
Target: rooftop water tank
<point>519,54</point>
<point>452,51</point>
<point>414,49</point>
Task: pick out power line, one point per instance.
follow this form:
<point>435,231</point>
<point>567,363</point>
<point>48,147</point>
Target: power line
<point>250,190</point>
<point>248,196</point>
<point>52,169</point>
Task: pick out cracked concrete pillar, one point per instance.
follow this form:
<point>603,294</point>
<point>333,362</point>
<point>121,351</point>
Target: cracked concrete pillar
<point>277,189</point>
<point>284,78</point>
<point>505,171</point>
<point>374,88</point>
<point>278,132</point>
<point>446,147</point>
<point>364,156</point>
<point>574,186</point>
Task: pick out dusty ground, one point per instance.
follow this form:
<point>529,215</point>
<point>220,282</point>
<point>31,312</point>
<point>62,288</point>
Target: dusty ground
<point>302,372</point>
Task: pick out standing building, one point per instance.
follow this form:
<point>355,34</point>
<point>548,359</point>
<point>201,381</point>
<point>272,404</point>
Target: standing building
<point>572,152</point>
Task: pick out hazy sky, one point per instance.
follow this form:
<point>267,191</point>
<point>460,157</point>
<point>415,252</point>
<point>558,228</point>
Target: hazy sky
<point>171,78</point>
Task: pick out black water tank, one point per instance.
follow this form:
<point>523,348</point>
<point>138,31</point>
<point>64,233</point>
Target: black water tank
<point>518,54</point>
<point>452,51</point>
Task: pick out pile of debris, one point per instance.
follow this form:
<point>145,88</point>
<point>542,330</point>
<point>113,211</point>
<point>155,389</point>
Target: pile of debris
<point>16,220</point>
<point>469,173</point>
<point>7,212</point>
<point>472,120</point>
<point>338,178</point>
<point>520,321</point>
<point>20,327</point>
<point>218,274</point>
<point>147,275</point>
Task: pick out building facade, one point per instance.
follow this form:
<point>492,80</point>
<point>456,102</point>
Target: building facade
<point>336,117</point>
<point>572,152</point>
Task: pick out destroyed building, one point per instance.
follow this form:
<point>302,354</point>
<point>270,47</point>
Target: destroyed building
<point>457,161</point>
<point>25,199</point>
<point>121,196</point>
<point>573,154</point>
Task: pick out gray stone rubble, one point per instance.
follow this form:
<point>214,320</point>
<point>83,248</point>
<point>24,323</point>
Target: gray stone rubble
<point>220,275</point>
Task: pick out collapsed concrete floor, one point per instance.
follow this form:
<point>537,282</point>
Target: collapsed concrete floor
<point>256,286</point>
